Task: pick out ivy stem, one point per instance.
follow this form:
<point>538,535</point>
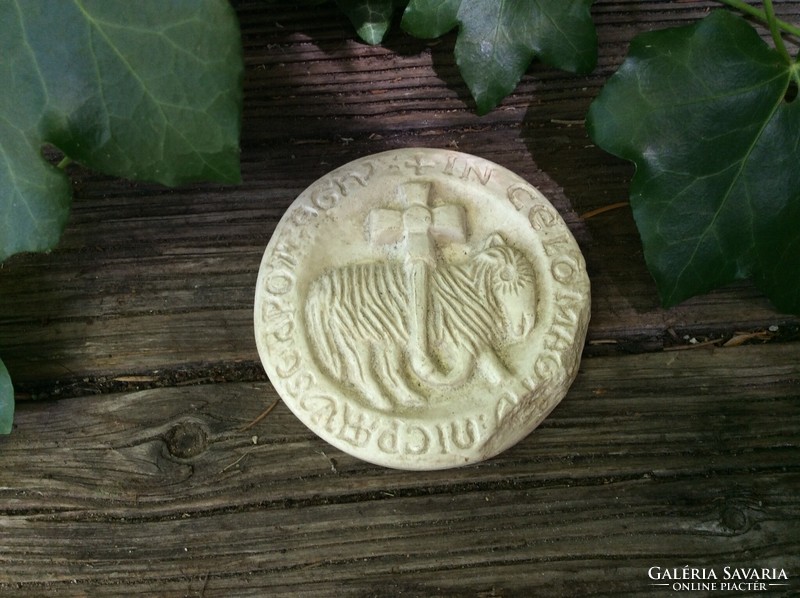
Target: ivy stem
<point>762,16</point>
<point>776,32</point>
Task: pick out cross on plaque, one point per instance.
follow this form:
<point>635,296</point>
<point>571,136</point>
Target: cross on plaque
<point>419,164</point>
<point>419,226</point>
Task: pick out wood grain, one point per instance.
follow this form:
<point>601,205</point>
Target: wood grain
<point>656,459</point>
<point>148,281</point>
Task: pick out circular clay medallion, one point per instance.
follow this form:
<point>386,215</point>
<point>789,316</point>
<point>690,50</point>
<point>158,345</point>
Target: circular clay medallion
<point>421,308</point>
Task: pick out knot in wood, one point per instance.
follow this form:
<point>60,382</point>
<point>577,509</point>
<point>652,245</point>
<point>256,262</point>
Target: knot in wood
<point>186,440</point>
<point>734,518</point>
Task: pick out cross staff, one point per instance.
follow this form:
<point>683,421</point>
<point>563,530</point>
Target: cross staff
<point>419,227</point>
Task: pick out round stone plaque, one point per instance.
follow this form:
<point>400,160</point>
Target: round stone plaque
<point>421,308</point>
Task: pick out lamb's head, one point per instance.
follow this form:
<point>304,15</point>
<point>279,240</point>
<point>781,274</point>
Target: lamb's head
<point>510,286</point>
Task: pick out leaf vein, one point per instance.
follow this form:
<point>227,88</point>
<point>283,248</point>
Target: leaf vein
<point>729,190</point>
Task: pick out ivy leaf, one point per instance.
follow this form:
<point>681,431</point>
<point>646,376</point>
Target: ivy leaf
<point>704,114</point>
<point>146,90</point>
<point>498,40</point>
<point>6,400</point>
<point>371,18</point>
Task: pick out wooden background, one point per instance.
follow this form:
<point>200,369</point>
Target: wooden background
<point>132,469</point>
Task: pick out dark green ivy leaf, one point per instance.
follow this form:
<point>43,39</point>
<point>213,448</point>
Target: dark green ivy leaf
<point>6,400</point>
<point>371,18</point>
<point>702,112</point>
<point>147,90</point>
<point>497,40</point>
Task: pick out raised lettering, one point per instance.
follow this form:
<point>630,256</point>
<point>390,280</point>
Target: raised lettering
<point>302,216</point>
<point>387,440</point>
<point>417,441</point>
<point>451,162</point>
<point>564,268</point>
<point>566,316</point>
<point>289,364</point>
<point>568,296</point>
<point>300,384</point>
<point>519,196</point>
<point>279,282</point>
<point>278,319</point>
<point>286,252</point>
<point>442,440</point>
<point>558,339</point>
<point>483,178</point>
<point>353,430</point>
<point>546,366</point>
<point>505,404</point>
<point>341,181</point>
<point>542,217</point>
<point>323,410</point>
<point>325,199</point>
<point>551,244</point>
<point>419,164</point>
<point>463,435</point>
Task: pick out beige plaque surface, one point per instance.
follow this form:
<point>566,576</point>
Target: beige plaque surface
<point>421,308</point>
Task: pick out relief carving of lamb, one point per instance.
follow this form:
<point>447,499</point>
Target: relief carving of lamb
<point>394,330</point>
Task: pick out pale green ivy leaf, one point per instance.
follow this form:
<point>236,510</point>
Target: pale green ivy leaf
<point>148,90</point>
<point>6,400</point>
<point>704,114</point>
<point>498,40</point>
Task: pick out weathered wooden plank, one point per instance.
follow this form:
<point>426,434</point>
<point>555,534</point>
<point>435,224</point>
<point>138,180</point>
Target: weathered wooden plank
<point>663,459</point>
<point>167,282</point>
<point>148,281</point>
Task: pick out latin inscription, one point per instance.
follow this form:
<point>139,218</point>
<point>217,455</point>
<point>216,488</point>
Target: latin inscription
<point>389,435</point>
<point>455,166</point>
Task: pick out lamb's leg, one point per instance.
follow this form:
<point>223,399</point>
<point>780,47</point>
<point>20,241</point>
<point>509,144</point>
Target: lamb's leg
<point>493,369</point>
<point>357,372</point>
<point>390,371</point>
